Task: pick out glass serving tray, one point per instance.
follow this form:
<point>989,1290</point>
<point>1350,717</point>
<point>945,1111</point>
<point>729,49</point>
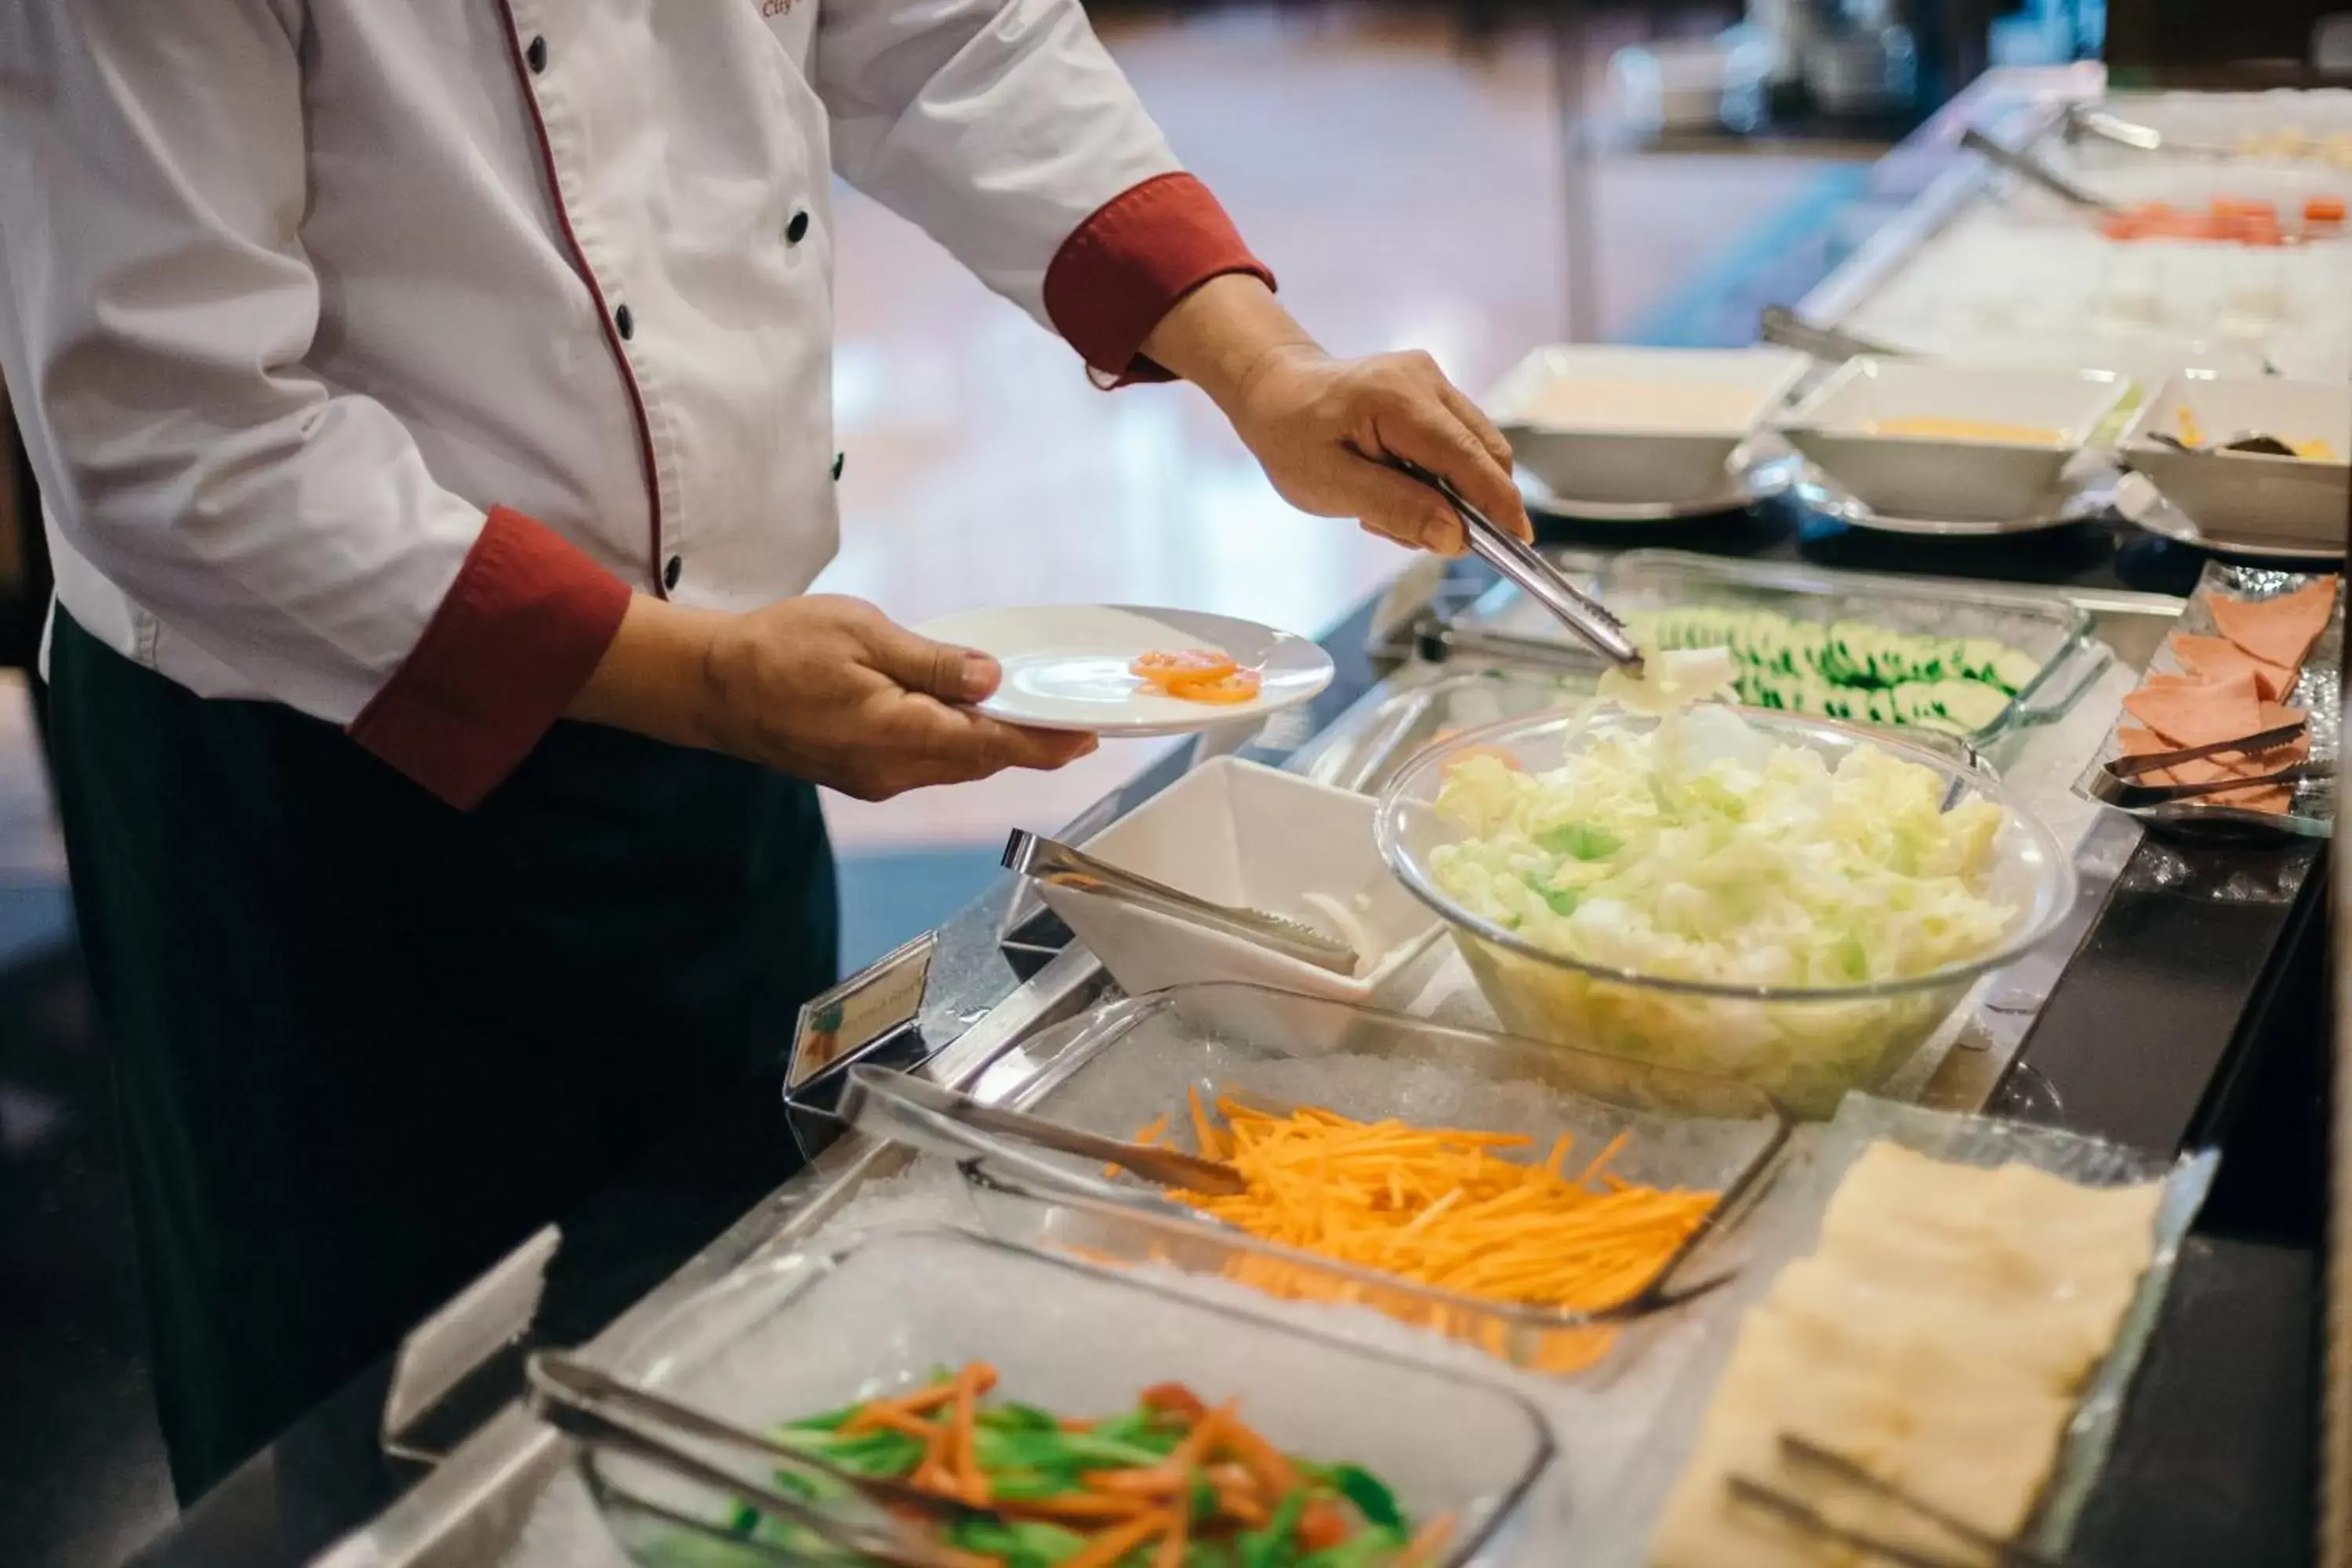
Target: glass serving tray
<point>1118,1068</point>
<point>1617,1535</point>
<point>1392,734</point>
<point>2318,690</point>
<point>877,1314</point>
<point>2054,634</point>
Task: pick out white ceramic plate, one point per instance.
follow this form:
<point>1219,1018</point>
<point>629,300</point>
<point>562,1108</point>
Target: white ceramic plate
<point>1065,666</point>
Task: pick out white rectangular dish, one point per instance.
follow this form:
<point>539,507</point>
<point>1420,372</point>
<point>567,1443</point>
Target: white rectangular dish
<point>2243,496</point>
<point>1921,439</point>
<point>1630,425</point>
<point>1237,833</point>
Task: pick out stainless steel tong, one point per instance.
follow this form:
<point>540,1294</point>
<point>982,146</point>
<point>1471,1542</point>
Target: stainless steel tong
<point>930,1116</point>
<point>2157,761</point>
<point>1517,559</point>
<point>1784,328</point>
<point>2033,170</point>
<point>606,1412</point>
<point>2116,792</point>
<point>1042,859</point>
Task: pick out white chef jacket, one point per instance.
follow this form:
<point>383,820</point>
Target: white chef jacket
<point>370,354</point>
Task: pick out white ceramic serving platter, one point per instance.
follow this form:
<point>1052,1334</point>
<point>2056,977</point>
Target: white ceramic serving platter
<point>1065,666</point>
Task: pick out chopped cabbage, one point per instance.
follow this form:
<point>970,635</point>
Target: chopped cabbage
<point>1702,851</point>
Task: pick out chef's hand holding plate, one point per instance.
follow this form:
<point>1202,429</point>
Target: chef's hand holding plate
<point>826,689</point>
<point>1321,426</point>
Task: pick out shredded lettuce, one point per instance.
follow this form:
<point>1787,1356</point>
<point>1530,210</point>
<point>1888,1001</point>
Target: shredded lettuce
<point>1701,851</point>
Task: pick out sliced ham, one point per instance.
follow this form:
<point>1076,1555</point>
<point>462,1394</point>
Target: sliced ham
<point>2277,631</point>
<point>2200,714</point>
<point>2218,658</point>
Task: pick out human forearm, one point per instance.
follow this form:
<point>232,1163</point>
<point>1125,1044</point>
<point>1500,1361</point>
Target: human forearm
<point>1328,431</point>
<point>655,677</point>
<point>1219,333</point>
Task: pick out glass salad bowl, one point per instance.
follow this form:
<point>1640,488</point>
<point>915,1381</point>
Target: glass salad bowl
<point>1670,968</point>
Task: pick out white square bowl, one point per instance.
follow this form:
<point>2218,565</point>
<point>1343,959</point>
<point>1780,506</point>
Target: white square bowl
<point>1840,428</point>
<point>2244,496</point>
<point>1627,426</point>
<point>1241,834</point>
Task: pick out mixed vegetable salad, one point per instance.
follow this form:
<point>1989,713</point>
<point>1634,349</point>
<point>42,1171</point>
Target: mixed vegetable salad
<point>1704,851</point>
<point>1171,1482</point>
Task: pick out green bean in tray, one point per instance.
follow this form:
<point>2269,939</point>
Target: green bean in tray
<point>1168,1483</point>
<point>1850,668</point>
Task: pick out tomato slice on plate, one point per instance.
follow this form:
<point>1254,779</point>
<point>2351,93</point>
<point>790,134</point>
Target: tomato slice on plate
<point>1240,686</point>
<point>1170,670</point>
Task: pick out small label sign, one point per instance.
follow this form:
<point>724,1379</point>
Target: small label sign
<point>874,1004</point>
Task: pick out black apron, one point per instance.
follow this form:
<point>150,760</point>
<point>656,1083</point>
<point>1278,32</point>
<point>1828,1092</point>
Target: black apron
<point>364,1044</point>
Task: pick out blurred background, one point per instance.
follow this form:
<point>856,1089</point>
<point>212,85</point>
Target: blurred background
<point>1468,179</point>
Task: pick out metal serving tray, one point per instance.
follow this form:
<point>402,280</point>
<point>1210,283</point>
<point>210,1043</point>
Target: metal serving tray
<point>2048,629</point>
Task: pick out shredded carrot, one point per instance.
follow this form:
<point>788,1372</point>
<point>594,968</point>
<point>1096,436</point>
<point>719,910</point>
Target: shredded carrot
<point>1170,1553</point>
<point>1427,1542</point>
<point>1443,1207</point>
<point>1274,1474</point>
<point>888,1419</point>
<point>1075,1507</point>
<point>875,1413</point>
<point>1118,1540</point>
<point>971,1481</point>
<point>1204,1131</point>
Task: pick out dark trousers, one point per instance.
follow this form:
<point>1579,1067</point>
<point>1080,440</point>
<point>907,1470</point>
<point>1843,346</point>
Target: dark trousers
<point>364,1044</point>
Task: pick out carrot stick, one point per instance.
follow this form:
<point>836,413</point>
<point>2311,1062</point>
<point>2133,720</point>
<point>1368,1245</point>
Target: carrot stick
<point>872,1415</point>
<point>1171,1545</point>
<point>888,1419</point>
<point>1204,1132</point>
<point>972,1482</point>
<point>1274,1474</point>
<point>1427,1542</point>
<point>1604,1157</point>
<point>1074,1507</point>
<point>1116,1543</point>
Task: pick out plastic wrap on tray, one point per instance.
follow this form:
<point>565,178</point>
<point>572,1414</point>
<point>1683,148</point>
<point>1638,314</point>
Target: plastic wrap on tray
<point>1789,1229</point>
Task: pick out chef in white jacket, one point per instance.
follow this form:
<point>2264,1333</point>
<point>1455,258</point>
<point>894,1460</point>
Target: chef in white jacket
<point>430,402</point>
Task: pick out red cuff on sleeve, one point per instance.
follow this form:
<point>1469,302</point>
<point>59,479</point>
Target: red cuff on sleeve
<point>511,644</point>
<point>1122,270</point>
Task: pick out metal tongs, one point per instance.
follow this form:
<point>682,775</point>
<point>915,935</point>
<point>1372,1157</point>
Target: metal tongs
<point>1042,859</point>
<point>1978,1547</point>
<point>2082,120</point>
<point>2030,168</point>
<point>2114,784</point>
<point>2157,761</point>
<point>605,1412</point>
<point>1784,328</point>
<point>1516,559</point>
<point>946,1121</point>
<point>2113,791</point>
